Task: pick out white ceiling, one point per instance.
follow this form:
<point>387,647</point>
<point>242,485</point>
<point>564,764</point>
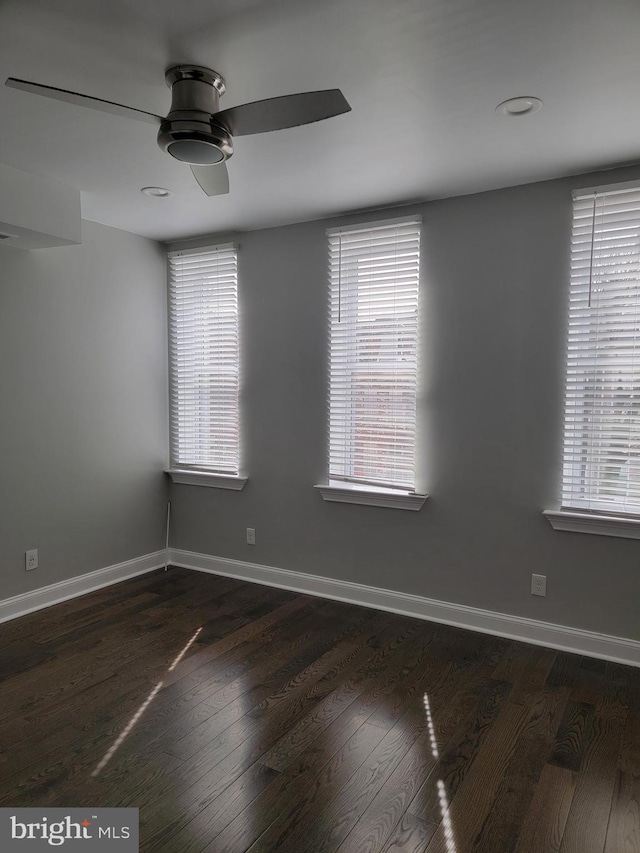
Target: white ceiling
<point>423,78</point>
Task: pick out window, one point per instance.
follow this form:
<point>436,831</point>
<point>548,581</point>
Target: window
<point>203,309</point>
<point>374,282</point>
<point>601,465</point>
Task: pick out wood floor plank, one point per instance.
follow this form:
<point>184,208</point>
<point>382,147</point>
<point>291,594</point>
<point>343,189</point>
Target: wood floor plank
<point>568,750</point>
<point>566,670</point>
<point>411,835</point>
<point>513,663</point>
<point>534,676</point>
<point>543,826</point>
<point>586,827</point>
<point>502,826</point>
<point>623,831</point>
<point>629,760</point>
<point>589,681</point>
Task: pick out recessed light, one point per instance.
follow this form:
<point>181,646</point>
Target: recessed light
<point>524,106</point>
<point>156,192</point>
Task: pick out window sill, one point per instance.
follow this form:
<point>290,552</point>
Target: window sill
<point>370,496</point>
<point>585,522</point>
<point>204,478</point>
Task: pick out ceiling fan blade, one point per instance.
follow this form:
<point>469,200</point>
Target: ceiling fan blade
<point>83,100</point>
<point>214,180</point>
<point>286,111</point>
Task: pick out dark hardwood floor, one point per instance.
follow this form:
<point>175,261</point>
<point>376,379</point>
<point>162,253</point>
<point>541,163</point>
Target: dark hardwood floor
<point>245,718</point>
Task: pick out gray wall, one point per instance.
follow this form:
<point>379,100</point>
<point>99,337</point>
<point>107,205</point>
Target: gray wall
<point>494,300</point>
<point>83,423</point>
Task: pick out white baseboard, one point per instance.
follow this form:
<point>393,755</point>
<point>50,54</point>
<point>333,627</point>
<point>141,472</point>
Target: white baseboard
<point>561,637</point>
<point>27,602</point>
<point>618,649</point>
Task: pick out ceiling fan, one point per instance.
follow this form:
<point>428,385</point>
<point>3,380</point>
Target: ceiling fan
<point>196,131</point>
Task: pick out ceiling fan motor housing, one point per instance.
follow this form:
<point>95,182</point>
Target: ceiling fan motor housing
<point>189,132</point>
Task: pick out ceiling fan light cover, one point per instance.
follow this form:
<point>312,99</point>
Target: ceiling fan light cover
<point>196,143</point>
<point>195,152</point>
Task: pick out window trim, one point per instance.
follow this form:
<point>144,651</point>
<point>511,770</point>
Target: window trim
<point>601,525</point>
<point>187,477</point>
<point>351,493</point>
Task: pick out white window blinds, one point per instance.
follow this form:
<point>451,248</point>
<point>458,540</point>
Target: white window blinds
<point>374,281</point>
<point>203,300</point>
<point>601,469</point>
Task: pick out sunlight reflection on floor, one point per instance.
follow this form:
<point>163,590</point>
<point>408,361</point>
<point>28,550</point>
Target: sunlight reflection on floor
<point>125,732</point>
<point>446,820</point>
<point>443,800</point>
<point>432,732</point>
<point>181,654</point>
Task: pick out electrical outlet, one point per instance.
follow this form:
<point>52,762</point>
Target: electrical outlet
<point>538,584</point>
<point>251,536</point>
<point>31,560</point>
